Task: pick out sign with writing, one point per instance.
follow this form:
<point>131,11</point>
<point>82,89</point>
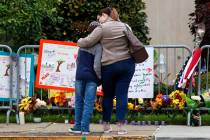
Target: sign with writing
<point>56,65</point>
<point>26,77</point>
<point>142,83</point>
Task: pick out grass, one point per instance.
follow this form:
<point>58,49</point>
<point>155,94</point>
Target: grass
<point>59,117</point>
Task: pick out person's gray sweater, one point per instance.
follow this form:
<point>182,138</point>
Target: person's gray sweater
<point>113,40</point>
<point>89,64</point>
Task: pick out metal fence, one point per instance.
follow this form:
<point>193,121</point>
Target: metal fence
<point>203,74</point>
<point>33,49</point>
<point>8,101</point>
<point>202,79</point>
<point>168,61</point>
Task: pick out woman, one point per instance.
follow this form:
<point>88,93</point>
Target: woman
<point>117,66</point>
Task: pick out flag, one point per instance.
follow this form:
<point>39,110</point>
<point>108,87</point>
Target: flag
<point>190,67</point>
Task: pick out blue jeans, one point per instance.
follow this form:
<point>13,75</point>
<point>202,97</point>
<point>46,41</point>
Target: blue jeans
<point>116,78</point>
<point>85,93</point>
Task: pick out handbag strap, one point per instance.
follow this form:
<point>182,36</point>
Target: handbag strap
<point>128,27</point>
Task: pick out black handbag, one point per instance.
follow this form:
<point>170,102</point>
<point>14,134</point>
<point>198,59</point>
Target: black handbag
<point>137,49</point>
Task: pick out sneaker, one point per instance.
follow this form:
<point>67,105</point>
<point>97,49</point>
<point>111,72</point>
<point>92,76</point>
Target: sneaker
<point>121,129</point>
<point>107,128</point>
<point>85,133</point>
<point>122,132</point>
<point>74,131</point>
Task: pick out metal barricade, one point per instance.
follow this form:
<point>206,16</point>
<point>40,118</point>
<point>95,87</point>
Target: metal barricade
<point>26,49</point>
<point>7,103</point>
<point>203,87</point>
<point>171,59</point>
<point>202,80</point>
<point>168,62</point>
<point>31,49</point>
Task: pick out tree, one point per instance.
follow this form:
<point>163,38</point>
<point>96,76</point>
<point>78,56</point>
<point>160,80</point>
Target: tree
<point>201,16</point>
<point>7,70</point>
<point>21,20</point>
<point>59,64</point>
<point>26,21</point>
<point>77,14</point>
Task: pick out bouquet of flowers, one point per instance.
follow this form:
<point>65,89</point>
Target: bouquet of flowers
<point>98,104</point>
<point>206,97</point>
<point>192,103</point>
<point>71,102</point>
<point>30,104</point>
<point>59,99</point>
<point>177,99</point>
<point>157,103</point>
<point>161,100</point>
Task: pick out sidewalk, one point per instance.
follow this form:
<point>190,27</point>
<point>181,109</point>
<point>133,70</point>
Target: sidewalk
<point>182,132</point>
<point>59,131</point>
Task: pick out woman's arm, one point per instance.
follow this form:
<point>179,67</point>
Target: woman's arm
<point>91,39</point>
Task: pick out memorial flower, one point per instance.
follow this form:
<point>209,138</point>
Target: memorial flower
<point>130,106</point>
<point>178,99</point>
<point>71,102</point>
<point>114,102</point>
<point>98,106</point>
<point>160,100</point>
<point>59,99</point>
<point>140,101</point>
<point>30,104</point>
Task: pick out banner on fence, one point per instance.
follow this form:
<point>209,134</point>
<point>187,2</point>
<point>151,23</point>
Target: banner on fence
<point>142,83</point>
<point>26,76</point>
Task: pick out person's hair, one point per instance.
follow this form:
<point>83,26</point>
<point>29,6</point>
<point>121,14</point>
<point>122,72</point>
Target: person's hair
<point>112,12</point>
<point>114,15</point>
<point>92,26</point>
<point>106,10</point>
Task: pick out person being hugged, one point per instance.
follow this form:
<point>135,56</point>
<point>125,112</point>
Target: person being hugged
<point>88,75</point>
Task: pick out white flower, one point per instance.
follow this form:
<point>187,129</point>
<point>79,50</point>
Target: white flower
<point>197,98</point>
<point>140,100</point>
<point>39,103</point>
<point>71,103</point>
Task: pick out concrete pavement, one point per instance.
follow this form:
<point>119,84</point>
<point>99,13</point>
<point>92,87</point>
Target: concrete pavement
<point>59,131</point>
<point>181,132</point>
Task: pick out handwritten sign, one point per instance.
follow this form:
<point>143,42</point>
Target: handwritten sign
<point>26,77</point>
<point>56,65</point>
<point>142,83</point>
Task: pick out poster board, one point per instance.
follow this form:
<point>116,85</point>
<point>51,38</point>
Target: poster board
<point>56,67</point>
<point>142,83</point>
<point>26,77</point>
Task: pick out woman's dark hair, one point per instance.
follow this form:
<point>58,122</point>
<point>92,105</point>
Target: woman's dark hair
<point>112,12</point>
<point>92,26</point>
<point>107,10</point>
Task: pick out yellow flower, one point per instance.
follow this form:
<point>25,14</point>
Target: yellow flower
<point>130,106</point>
<point>176,101</point>
<point>114,102</point>
<point>98,106</point>
<point>178,98</point>
<point>24,103</point>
